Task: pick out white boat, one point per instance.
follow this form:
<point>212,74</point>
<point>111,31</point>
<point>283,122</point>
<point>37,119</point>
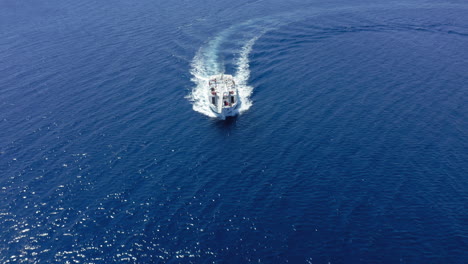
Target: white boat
<point>223,95</point>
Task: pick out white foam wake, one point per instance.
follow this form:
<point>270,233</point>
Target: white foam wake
<point>206,63</point>
<point>242,75</point>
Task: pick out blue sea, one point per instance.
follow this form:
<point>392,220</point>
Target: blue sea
<point>351,145</point>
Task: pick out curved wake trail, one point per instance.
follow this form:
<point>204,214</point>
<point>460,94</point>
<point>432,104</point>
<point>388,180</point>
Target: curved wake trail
<point>207,63</point>
<point>242,75</point>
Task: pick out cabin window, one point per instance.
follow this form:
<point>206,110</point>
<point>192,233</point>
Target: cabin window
<point>232,100</point>
<point>213,100</point>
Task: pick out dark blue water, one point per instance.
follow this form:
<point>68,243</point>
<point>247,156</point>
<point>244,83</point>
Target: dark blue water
<point>351,148</point>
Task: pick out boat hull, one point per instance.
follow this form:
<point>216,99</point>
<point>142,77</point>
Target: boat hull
<point>223,96</point>
<point>225,112</point>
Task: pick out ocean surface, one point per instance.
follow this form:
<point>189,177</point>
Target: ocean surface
<point>351,145</point>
